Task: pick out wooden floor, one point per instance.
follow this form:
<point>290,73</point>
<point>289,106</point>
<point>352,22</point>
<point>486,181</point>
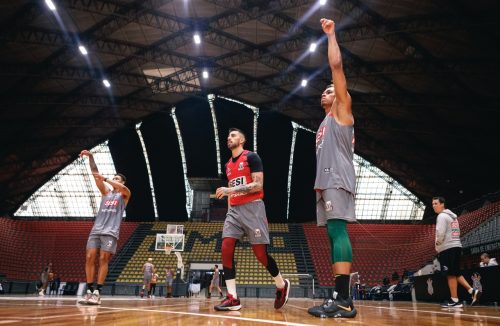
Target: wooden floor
<point>17,310</point>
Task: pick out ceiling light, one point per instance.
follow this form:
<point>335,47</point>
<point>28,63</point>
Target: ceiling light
<point>205,74</point>
<point>197,39</point>
<point>83,50</point>
<point>312,47</point>
<point>50,4</point>
<point>106,83</point>
<point>322,2</point>
<point>304,83</point>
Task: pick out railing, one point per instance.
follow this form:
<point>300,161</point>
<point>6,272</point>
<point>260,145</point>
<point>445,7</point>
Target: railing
<point>309,276</point>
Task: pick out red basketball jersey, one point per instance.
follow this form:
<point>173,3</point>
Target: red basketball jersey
<point>239,173</point>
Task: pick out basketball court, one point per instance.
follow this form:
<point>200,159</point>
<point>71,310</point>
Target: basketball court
<point>199,311</point>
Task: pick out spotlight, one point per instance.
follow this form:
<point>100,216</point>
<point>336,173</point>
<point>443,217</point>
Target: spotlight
<point>51,5</point>
<point>312,47</point>
<point>322,2</point>
<point>106,83</point>
<point>304,83</point>
<point>205,74</point>
<point>197,39</point>
<point>83,50</point>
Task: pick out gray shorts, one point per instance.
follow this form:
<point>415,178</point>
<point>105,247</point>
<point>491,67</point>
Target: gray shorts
<point>248,219</point>
<point>148,277</point>
<point>105,242</point>
<point>334,204</point>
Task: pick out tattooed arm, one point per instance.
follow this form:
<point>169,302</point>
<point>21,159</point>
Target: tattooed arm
<point>256,185</point>
<point>93,168</point>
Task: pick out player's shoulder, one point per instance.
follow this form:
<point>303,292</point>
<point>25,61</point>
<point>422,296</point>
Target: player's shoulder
<point>252,154</point>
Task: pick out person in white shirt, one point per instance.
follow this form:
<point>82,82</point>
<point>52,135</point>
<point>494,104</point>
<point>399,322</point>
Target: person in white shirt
<point>486,261</point>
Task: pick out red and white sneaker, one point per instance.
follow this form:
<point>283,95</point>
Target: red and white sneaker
<point>95,299</point>
<point>86,297</point>
<point>229,303</point>
<point>282,295</point>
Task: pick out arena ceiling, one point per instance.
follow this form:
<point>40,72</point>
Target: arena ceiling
<point>423,76</point>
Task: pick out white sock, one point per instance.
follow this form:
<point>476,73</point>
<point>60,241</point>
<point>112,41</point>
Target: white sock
<point>279,281</point>
<point>454,299</point>
<point>470,290</point>
<point>231,287</point>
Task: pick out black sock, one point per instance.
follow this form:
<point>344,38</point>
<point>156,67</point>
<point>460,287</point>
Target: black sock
<point>342,285</point>
<point>90,286</point>
<point>99,288</point>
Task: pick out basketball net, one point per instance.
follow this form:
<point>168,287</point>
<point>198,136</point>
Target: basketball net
<point>180,264</point>
<point>168,249</point>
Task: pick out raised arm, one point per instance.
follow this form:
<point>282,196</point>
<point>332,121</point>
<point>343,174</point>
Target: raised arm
<point>342,106</point>
<point>93,168</point>
<point>116,185</point>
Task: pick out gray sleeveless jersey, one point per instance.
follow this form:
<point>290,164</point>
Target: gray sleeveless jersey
<point>110,215</point>
<point>148,268</point>
<point>334,156</point>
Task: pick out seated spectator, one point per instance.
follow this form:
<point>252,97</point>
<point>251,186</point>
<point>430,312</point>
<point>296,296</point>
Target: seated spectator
<point>486,261</point>
<point>395,276</point>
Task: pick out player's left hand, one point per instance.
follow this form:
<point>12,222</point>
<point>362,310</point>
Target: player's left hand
<point>221,192</point>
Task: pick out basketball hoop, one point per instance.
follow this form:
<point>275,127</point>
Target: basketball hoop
<point>168,249</point>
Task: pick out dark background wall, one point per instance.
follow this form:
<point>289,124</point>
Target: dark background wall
<point>165,162</point>
<point>126,150</point>
<point>274,138</point>
<point>196,125</point>
<point>302,196</point>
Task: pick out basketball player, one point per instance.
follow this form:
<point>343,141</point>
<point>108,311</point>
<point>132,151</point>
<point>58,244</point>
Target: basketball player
<point>148,269</point>
<point>169,274</point>
<point>215,283</point>
<point>154,280</point>
<point>246,215</point>
<point>104,234</point>
<point>449,249</point>
<point>335,180</point>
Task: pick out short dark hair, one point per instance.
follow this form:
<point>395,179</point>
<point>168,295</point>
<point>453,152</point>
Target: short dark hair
<point>440,199</point>
<point>122,176</point>
<point>238,130</point>
<point>216,266</point>
<point>241,132</point>
<point>485,255</point>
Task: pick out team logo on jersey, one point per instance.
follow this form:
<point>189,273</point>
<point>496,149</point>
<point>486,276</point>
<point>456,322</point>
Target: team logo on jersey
<point>111,203</point>
<point>328,206</point>
<point>455,229</point>
<point>241,166</point>
<point>319,137</point>
<point>237,181</point>
<point>110,243</point>
<point>257,233</point>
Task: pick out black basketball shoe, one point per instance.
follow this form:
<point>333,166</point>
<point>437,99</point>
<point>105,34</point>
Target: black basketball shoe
<point>334,308</point>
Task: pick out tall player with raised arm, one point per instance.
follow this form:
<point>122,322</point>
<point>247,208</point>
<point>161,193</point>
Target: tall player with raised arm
<point>104,235</point>
<point>335,179</point>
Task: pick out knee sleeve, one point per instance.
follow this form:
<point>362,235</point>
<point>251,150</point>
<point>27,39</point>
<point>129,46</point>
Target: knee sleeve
<point>228,245</point>
<point>339,239</point>
<point>260,251</point>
